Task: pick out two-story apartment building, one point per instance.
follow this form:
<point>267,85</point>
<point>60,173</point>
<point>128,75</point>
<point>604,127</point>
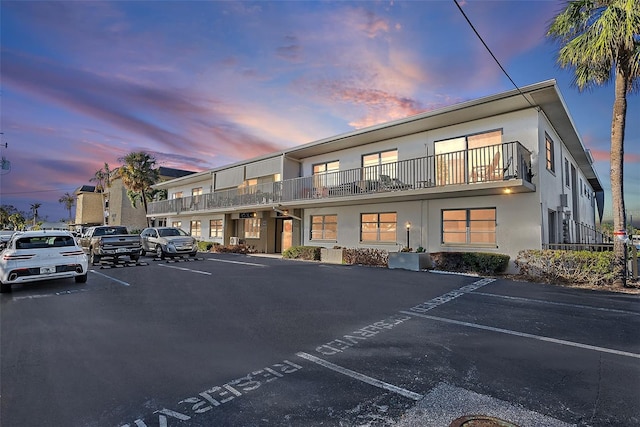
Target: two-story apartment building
<point>497,174</point>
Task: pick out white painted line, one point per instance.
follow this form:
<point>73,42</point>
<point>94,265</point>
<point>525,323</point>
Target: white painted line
<point>185,269</point>
<point>525,335</point>
<point>237,262</point>
<point>110,278</point>
<point>360,377</point>
<point>563,304</point>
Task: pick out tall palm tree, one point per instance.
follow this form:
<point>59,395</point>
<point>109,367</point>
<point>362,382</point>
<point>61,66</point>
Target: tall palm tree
<point>102,178</point>
<point>138,174</point>
<point>34,208</point>
<point>68,200</point>
<point>600,42</point>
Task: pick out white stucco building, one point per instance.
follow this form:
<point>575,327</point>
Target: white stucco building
<point>497,174</point>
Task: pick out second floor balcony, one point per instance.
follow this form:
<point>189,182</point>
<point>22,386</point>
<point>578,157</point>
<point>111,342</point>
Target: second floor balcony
<point>488,168</point>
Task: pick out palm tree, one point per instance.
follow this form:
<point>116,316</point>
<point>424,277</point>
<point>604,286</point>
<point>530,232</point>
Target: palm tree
<point>68,200</point>
<point>34,208</point>
<point>102,178</point>
<point>600,41</point>
<point>138,174</point>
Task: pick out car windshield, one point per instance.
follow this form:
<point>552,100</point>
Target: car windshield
<point>44,242</point>
<point>168,232</point>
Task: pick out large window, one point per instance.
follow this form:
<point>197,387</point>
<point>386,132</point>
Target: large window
<point>323,174</point>
<point>215,228</point>
<point>550,153</point>
<point>478,156</point>
<point>176,224</point>
<point>324,227</point>
<point>469,226</point>
<point>378,227</point>
<point>377,164</point>
<point>196,229</point>
<point>252,228</point>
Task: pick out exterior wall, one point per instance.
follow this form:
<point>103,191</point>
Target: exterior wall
<point>120,210</point>
<point>89,208</point>
<point>517,225</point>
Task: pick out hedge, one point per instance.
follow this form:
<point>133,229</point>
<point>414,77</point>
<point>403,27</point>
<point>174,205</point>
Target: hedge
<point>575,267</point>
<point>309,253</point>
<point>471,262</point>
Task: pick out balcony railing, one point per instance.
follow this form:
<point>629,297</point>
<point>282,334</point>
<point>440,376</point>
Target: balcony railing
<point>479,165</point>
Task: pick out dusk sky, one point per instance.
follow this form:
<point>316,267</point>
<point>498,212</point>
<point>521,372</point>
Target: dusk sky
<point>200,84</point>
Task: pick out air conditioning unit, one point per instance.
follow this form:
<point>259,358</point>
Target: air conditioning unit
<point>234,241</point>
<point>564,201</point>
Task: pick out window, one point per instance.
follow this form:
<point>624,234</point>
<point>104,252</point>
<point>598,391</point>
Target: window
<point>196,191</point>
<point>550,153</point>
<point>324,227</point>
<point>567,178</point>
<point>483,154</point>
<point>382,163</point>
<point>177,195</point>
<point>177,224</point>
<point>215,228</point>
<point>196,229</point>
<point>324,174</point>
<point>378,227</point>
<point>248,186</point>
<point>469,226</point>
<point>252,228</point>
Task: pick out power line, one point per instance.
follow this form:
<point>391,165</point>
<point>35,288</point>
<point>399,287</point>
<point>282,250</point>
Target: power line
<point>491,53</point>
<point>36,191</point>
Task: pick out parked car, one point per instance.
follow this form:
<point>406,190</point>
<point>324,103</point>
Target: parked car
<point>168,241</point>
<point>41,255</point>
<point>110,241</point>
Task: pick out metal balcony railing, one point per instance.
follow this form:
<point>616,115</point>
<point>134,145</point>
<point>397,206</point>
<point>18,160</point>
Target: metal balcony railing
<point>479,165</point>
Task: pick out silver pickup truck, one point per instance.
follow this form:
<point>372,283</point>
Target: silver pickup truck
<point>110,241</point>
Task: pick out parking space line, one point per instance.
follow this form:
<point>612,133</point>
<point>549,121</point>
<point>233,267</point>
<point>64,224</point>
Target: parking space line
<point>110,278</point>
<point>186,269</point>
<point>237,262</point>
<point>361,377</point>
<point>608,310</point>
<point>526,335</point>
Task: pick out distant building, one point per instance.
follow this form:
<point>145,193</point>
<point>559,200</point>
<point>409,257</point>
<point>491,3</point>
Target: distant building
<point>117,209</point>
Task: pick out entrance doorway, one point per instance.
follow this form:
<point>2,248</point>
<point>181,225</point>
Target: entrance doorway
<point>284,234</point>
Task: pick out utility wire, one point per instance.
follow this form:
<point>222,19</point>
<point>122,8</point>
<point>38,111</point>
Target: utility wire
<point>491,53</point>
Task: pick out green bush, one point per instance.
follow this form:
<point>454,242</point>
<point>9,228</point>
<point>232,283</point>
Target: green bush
<point>366,256</point>
<point>232,249</point>
<point>575,267</point>
<point>471,262</point>
<point>204,246</point>
<point>309,253</point>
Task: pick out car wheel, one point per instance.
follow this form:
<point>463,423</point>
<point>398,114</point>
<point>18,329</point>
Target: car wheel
<point>5,288</point>
<point>134,257</point>
<point>81,279</point>
<point>193,254</point>
<point>95,259</point>
<point>143,252</point>
<point>159,252</point>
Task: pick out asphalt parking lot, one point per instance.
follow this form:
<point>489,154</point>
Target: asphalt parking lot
<point>229,340</point>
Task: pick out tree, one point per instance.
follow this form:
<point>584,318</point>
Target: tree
<point>34,208</point>
<point>102,178</point>
<point>17,220</point>
<point>5,212</point>
<point>138,174</point>
<point>600,42</point>
<point>68,200</point>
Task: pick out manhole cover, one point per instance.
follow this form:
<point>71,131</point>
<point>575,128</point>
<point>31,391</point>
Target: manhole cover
<point>480,421</point>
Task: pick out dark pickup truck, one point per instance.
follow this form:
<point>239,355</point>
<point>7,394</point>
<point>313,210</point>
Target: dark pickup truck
<point>110,241</point>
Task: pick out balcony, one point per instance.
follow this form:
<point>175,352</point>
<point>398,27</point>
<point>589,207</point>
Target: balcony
<point>485,170</point>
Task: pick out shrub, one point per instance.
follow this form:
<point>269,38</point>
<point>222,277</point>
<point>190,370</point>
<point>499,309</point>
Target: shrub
<point>309,253</point>
<point>204,246</point>
<point>575,267</point>
<point>233,249</point>
<point>366,256</point>
<point>471,262</point>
